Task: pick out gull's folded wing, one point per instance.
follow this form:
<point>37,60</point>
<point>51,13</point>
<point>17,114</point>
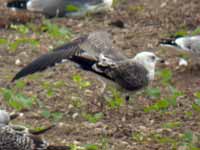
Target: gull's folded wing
<point>129,75</point>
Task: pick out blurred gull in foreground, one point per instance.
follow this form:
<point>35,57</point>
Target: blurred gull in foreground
<point>52,8</point>
<point>14,137</point>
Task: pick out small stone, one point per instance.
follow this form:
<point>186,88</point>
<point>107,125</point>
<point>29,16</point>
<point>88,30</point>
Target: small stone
<point>60,124</point>
<point>18,62</point>
<point>75,115</point>
<point>182,62</point>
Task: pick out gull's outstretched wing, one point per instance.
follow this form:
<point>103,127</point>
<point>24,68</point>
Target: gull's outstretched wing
<point>85,51</point>
<point>66,51</point>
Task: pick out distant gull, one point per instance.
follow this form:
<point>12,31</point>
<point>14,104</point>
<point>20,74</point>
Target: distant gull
<point>187,43</point>
<point>15,137</point>
<point>95,52</point>
<point>52,8</point>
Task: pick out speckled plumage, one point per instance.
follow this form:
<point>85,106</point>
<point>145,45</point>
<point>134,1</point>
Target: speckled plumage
<point>19,138</point>
<point>128,74</point>
<point>11,139</point>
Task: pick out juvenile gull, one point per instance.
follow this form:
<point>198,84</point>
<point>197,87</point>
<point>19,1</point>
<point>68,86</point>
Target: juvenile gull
<point>13,137</point>
<point>95,52</point>
<point>54,8</point>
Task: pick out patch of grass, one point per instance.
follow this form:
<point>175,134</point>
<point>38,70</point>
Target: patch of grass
<point>189,140</point>
<point>23,29</point>
<point>76,102</point>
<point>22,41</point>
<point>116,100</point>
<point>91,147</point>
<point>158,106</point>
<point>20,84</point>
<point>153,93</point>
<point>196,104</point>
<point>48,86</point>
<point>172,125</point>
<point>137,8</point>
<point>53,116</point>
<point>85,147</point>
<point>18,101</point>
<point>174,95</point>
<point>3,41</point>
<point>166,76</point>
<point>196,31</point>
<point>166,102</point>
<point>93,118</point>
<point>72,8</point>
<point>104,144</point>
<point>81,82</point>
<point>163,139</point>
<point>55,31</point>
<point>180,33</point>
<point>137,137</point>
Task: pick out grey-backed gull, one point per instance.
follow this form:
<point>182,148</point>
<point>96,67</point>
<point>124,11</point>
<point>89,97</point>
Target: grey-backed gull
<point>54,8</point>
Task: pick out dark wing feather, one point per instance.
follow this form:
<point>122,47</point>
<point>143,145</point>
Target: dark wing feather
<point>45,61</point>
<point>66,51</point>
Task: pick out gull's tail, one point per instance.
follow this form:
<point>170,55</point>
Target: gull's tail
<point>19,4</point>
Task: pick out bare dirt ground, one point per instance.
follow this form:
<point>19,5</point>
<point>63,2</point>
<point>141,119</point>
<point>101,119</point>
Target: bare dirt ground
<point>127,126</point>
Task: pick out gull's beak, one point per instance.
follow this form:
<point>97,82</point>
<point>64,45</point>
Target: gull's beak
<point>160,60</point>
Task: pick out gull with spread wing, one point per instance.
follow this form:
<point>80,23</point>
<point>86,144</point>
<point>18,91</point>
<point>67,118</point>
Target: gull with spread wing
<point>95,52</point>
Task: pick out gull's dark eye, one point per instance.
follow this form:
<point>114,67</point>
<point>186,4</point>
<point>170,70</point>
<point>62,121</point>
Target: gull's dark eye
<point>153,57</point>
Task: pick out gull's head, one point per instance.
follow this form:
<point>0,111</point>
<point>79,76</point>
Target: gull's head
<point>148,60</point>
<point>4,118</point>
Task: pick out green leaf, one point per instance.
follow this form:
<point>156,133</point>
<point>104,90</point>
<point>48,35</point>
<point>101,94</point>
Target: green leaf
<point>172,125</point>
<point>57,116</point>
<point>197,95</point>
<point>82,83</point>
<point>3,41</point>
<point>160,105</point>
<point>196,31</point>
<point>20,84</point>
<point>17,101</point>
<point>93,118</point>
<point>72,8</point>
<point>153,92</point>
<point>197,101</point>
<point>20,28</point>
<point>166,76</point>
<point>91,147</point>
<point>46,114</point>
